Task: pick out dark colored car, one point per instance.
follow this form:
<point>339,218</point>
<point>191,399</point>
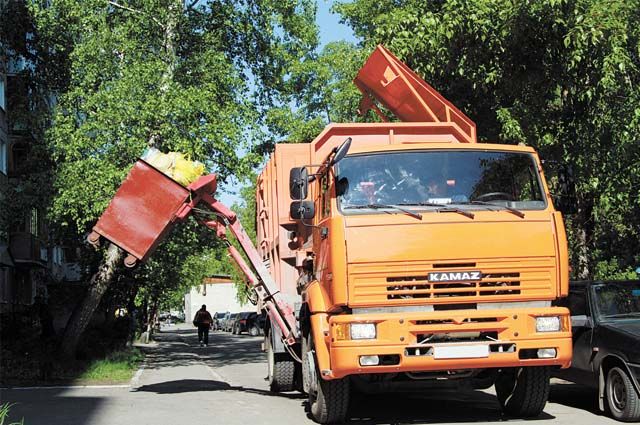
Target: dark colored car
<point>247,321</point>
<point>605,319</point>
<point>256,324</point>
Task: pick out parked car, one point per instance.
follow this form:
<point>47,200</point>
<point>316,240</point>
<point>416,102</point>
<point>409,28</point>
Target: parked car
<point>250,322</point>
<point>605,319</point>
<point>227,324</point>
<point>218,317</point>
<point>256,324</point>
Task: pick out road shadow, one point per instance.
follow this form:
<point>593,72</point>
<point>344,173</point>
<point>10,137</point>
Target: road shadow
<point>51,406</point>
<point>195,385</point>
<point>184,386</point>
<point>431,407</point>
<point>576,396</point>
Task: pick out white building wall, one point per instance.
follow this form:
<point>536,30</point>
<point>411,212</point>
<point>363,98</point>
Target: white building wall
<point>219,297</point>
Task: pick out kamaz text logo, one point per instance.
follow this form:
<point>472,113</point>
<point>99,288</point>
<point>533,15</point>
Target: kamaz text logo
<point>454,276</point>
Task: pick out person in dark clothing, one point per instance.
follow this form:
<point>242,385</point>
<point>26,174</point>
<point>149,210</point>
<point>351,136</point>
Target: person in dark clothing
<point>203,321</point>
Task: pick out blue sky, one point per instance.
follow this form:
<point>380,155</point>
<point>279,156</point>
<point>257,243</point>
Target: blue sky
<point>330,30</point>
<point>330,27</point>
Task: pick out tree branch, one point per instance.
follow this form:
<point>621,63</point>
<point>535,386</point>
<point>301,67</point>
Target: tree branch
<point>193,3</point>
<point>113,3</point>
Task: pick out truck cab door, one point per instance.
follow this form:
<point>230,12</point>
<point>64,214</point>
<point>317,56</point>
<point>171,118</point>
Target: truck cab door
<point>321,245</point>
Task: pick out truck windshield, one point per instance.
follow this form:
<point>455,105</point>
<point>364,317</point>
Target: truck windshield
<point>425,179</point>
<point>617,300</point>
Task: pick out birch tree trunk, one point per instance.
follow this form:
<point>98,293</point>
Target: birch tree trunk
<point>82,314</point>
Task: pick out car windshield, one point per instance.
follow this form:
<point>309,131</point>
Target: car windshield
<point>617,300</point>
<point>471,179</point>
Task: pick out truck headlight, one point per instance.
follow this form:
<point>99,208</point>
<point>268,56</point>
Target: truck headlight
<point>363,331</point>
<point>548,324</point>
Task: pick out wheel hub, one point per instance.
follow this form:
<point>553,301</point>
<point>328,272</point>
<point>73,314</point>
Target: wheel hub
<point>618,392</point>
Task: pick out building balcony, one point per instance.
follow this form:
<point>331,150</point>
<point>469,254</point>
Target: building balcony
<point>27,249</point>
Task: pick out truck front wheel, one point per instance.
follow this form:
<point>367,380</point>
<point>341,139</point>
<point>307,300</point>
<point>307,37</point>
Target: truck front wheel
<point>523,391</point>
<point>281,368</point>
<point>328,400</point>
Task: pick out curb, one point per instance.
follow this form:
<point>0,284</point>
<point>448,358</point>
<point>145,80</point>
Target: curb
<point>64,387</point>
<point>133,384</point>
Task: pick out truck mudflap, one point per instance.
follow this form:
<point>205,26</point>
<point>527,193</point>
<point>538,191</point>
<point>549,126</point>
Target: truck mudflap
<point>447,340</point>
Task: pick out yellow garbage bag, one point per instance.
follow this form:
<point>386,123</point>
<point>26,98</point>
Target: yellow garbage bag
<point>175,165</point>
<point>185,171</point>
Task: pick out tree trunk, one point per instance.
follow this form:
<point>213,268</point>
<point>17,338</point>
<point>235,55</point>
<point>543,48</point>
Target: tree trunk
<point>81,316</point>
<point>153,319</point>
<point>584,239</point>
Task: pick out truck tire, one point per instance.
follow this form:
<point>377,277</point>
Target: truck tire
<point>622,398</point>
<point>328,400</point>
<point>254,330</point>
<point>523,392</point>
<point>281,369</point>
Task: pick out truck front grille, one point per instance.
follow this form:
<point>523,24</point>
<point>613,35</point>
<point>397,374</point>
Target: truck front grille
<point>410,287</point>
<point>500,280</point>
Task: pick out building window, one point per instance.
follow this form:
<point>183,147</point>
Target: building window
<point>33,222</point>
<point>3,157</point>
<point>3,104</point>
<point>19,151</point>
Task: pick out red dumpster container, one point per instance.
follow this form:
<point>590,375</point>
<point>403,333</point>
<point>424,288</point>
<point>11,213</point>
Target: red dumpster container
<point>142,211</point>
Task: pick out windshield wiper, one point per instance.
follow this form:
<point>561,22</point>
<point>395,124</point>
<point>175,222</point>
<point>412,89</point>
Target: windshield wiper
<point>510,209</point>
<point>633,313</point>
<point>381,206</point>
<point>444,208</point>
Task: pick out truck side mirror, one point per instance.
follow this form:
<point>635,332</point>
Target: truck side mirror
<point>342,186</point>
<point>300,210</point>
<point>341,151</point>
<point>298,183</point>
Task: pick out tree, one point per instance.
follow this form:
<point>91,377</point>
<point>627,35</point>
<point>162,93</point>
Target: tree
<point>321,91</point>
<point>157,73</point>
<point>560,75</point>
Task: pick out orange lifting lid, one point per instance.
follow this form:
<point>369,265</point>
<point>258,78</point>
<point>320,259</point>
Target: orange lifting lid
<point>407,95</point>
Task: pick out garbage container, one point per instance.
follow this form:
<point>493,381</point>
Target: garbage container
<point>142,211</point>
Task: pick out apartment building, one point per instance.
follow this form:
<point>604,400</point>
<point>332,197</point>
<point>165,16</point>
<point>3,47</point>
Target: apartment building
<point>30,259</point>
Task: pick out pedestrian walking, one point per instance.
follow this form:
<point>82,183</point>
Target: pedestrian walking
<point>203,321</point>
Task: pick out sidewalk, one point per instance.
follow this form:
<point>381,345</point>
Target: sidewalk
<point>180,383</point>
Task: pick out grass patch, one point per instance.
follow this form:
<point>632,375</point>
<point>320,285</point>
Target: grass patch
<point>118,366</point>
<point>4,414</point>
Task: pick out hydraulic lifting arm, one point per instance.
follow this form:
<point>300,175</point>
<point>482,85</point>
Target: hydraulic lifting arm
<point>148,204</point>
<point>279,311</point>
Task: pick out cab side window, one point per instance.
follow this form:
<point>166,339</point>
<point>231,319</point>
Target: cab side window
<point>325,196</point>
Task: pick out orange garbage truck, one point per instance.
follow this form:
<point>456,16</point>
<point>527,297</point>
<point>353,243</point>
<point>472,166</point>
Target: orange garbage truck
<point>392,256</point>
<point>415,257</point>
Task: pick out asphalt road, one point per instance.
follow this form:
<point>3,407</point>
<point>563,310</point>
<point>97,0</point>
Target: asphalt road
<point>224,384</point>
